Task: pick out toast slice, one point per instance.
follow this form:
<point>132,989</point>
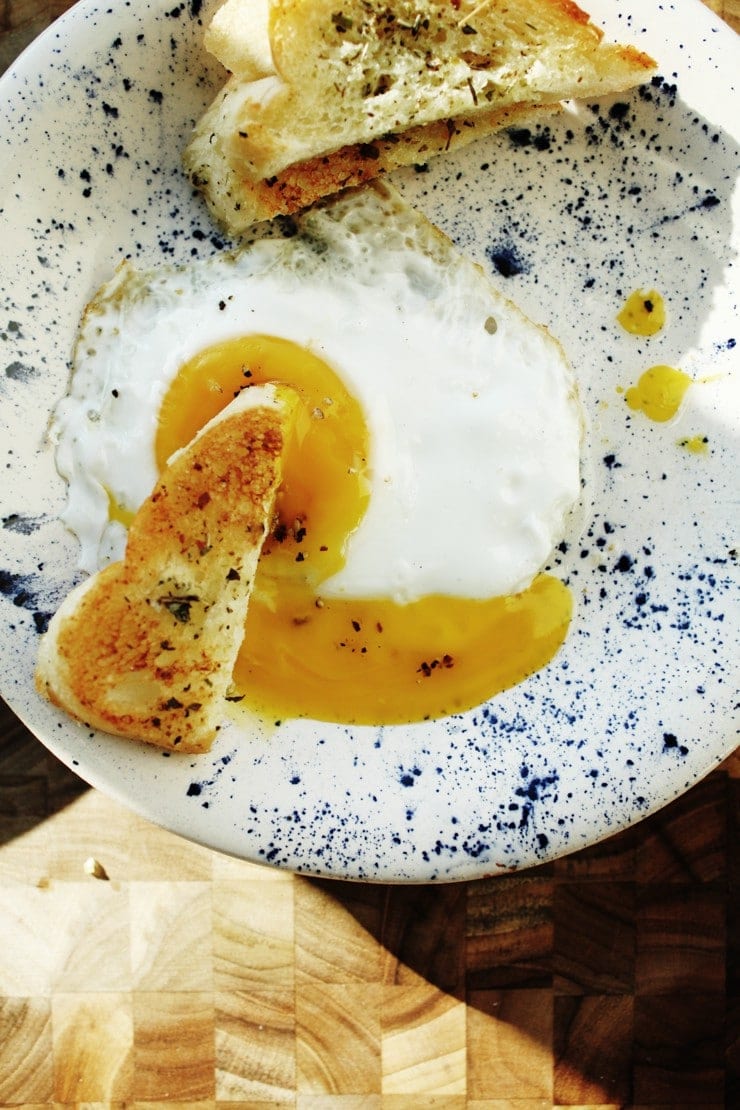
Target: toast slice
<point>237,202</point>
<point>350,73</point>
<point>145,648</point>
<point>333,81</point>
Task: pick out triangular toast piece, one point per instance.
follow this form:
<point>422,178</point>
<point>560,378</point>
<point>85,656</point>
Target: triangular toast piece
<point>145,648</point>
<point>237,202</point>
<point>348,78</point>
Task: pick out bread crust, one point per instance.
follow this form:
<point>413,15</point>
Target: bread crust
<point>145,648</point>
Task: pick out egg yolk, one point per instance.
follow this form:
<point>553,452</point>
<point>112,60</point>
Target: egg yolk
<point>364,661</point>
<point>658,393</point>
<point>643,313</point>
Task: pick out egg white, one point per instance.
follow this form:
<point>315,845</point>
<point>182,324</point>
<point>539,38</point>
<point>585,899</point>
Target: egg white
<point>472,410</point>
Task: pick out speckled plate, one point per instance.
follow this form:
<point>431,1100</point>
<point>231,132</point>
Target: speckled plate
<point>569,219</point>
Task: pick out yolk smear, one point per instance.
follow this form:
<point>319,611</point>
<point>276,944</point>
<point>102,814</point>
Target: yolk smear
<point>643,313</point>
<point>375,662</point>
<point>370,661</point>
<point>659,392</point>
<point>117,512</point>
<point>696,445</point>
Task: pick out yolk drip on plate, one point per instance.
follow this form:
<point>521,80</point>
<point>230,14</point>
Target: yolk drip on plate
<point>643,313</point>
<point>695,445</point>
<point>658,393</point>
<point>365,661</point>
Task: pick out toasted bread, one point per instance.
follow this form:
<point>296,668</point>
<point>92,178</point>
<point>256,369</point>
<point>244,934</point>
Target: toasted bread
<point>333,81</point>
<point>145,648</point>
<point>237,203</point>
<point>238,36</point>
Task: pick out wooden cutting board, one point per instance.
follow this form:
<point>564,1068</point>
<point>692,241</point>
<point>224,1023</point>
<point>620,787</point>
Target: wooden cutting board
<point>139,970</point>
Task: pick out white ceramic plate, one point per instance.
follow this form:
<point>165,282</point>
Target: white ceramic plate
<point>569,219</point>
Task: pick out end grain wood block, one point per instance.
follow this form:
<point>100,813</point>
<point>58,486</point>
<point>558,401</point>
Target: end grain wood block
<point>174,1050</point>
<point>26,1051</point>
<point>93,1036</point>
<point>423,1041</point>
<point>255,1045</point>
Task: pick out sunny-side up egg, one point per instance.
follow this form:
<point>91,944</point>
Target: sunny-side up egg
<point>429,475</point>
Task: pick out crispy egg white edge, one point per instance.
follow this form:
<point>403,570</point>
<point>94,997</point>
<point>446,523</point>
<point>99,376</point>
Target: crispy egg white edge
<point>474,435</point>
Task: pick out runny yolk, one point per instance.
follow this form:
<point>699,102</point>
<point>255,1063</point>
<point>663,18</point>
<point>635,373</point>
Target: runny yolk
<point>369,661</point>
<point>658,393</point>
<point>325,490</point>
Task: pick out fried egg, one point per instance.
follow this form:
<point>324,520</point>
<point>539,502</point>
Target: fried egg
<point>429,476</point>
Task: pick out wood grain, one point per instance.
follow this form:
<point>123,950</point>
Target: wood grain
<point>181,978</point>
<point>729,10</point>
